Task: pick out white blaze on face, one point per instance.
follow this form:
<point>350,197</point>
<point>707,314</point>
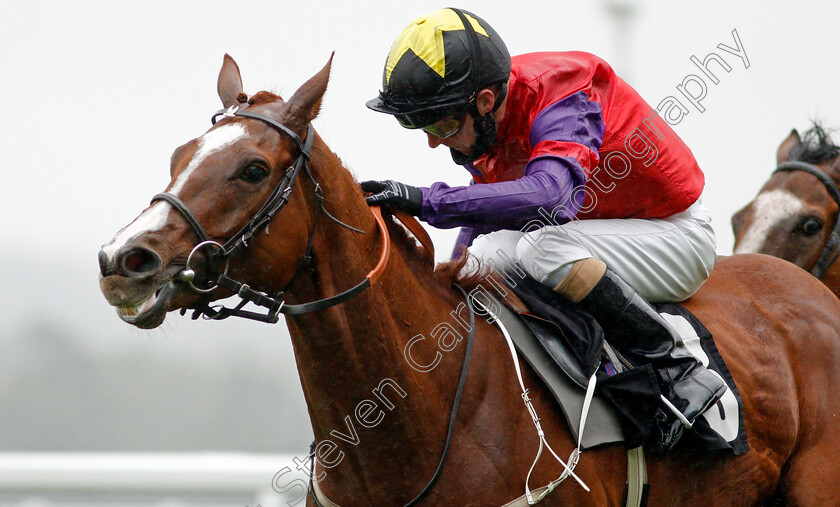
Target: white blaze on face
<point>769,209</point>
<point>155,217</point>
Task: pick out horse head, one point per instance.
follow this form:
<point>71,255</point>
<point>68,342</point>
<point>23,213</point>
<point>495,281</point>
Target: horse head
<point>794,213</point>
<point>225,188</point>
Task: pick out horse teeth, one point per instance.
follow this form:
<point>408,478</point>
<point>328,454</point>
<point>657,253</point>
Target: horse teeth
<point>138,308</point>
<point>129,311</point>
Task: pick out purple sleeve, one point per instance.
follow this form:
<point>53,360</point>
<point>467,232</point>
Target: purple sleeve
<point>465,238</point>
<point>548,183</point>
<point>574,119</point>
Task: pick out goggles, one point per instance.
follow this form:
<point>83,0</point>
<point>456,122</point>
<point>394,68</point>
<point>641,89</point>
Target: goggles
<point>446,127</point>
<point>442,128</point>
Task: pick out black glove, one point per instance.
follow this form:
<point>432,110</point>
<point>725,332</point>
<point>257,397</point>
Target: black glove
<point>394,194</point>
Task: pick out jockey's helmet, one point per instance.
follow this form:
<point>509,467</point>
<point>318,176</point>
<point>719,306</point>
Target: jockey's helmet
<point>437,66</point>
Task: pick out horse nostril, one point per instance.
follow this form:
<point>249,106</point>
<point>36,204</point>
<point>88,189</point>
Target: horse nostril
<point>105,266</point>
<point>139,262</point>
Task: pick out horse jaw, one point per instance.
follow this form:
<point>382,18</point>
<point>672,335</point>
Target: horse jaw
<point>143,305</point>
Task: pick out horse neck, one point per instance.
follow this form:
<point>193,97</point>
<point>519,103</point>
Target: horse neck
<point>351,357</point>
<point>831,277</point>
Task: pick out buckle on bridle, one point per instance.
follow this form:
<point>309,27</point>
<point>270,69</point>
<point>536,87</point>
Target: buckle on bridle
<point>227,113</point>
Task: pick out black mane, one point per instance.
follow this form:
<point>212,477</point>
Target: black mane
<point>815,147</point>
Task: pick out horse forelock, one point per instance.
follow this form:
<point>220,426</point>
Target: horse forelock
<point>264,97</point>
<point>816,146</point>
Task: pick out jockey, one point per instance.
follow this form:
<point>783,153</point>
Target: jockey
<point>578,182</point>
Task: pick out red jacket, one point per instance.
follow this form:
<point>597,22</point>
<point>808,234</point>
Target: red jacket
<point>635,165</point>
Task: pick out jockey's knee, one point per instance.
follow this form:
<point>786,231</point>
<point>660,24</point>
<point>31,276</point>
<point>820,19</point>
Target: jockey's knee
<point>547,254</point>
<point>496,250</point>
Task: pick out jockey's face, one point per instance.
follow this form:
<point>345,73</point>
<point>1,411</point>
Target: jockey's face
<point>464,140</point>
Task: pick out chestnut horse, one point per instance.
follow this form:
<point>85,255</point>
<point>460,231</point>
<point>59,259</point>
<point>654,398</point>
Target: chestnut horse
<point>381,422</point>
<point>794,215</point>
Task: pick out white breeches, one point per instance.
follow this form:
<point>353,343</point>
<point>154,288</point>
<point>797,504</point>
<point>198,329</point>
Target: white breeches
<point>665,260</point>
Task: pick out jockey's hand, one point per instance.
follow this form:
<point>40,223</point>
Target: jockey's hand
<point>394,194</point>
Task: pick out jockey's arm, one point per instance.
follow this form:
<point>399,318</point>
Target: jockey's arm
<point>548,182</point>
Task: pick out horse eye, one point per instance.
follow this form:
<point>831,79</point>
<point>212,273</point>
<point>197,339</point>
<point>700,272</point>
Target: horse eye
<point>811,226</point>
<point>253,173</point>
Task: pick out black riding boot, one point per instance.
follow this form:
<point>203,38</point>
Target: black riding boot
<point>643,336</point>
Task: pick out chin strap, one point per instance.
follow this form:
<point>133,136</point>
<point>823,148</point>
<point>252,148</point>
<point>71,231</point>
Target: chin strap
<point>485,131</point>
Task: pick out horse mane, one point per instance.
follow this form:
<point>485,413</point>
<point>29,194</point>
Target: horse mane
<point>446,274</point>
<point>815,147</point>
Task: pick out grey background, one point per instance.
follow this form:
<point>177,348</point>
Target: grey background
<point>96,95</point>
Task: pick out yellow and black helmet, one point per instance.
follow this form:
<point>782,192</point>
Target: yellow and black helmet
<point>438,64</point>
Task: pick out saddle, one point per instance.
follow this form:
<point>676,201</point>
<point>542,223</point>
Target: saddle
<point>565,346</point>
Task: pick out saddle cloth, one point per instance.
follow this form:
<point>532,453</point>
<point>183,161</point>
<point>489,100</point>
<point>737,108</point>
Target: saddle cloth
<point>564,346</point>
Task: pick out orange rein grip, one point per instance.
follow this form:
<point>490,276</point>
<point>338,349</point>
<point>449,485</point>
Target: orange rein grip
<point>386,245</point>
<point>419,232</point>
<point>412,225</point>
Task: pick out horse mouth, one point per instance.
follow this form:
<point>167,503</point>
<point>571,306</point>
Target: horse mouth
<point>146,310</point>
<point>151,311</point>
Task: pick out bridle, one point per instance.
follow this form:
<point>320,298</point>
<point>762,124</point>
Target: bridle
<point>279,197</point>
<point>832,247</point>
<point>275,304</point>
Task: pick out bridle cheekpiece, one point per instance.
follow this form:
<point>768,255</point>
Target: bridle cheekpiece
<point>832,246</point>
<point>275,303</point>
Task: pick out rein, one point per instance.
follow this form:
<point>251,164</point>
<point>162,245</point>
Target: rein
<point>274,304</point>
<point>318,496</point>
<point>832,247</point>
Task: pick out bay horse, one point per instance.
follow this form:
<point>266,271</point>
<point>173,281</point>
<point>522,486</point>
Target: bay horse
<point>794,215</point>
<point>381,422</point>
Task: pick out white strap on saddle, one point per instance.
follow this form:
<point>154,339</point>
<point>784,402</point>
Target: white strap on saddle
<point>575,456</point>
<point>636,472</point>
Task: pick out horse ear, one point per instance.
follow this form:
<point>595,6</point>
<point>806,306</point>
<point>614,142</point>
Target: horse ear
<point>304,105</point>
<point>229,85</point>
<point>783,155</point>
